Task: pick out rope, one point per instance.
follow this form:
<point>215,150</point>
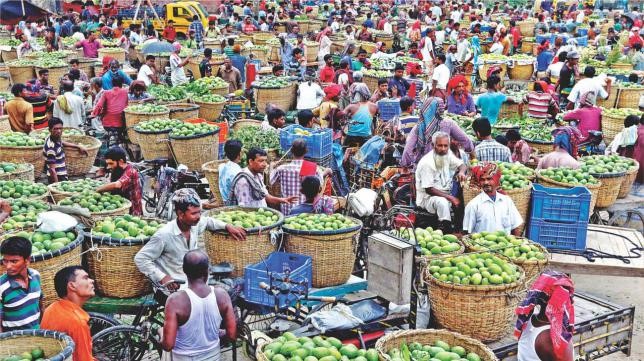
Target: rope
<point>592,254</point>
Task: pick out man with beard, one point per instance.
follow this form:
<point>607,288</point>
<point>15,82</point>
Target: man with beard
<point>113,72</point>
<point>54,152</point>
<point>124,179</point>
<point>161,259</point>
<point>435,191</point>
<point>490,211</point>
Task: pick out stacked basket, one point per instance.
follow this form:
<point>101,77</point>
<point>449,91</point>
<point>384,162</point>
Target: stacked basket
<point>372,81</point>
<point>55,72</point>
<point>609,189</point>
<point>133,118</point>
<point>115,53</point>
<point>79,164</point>
<point>260,38</point>
<point>629,97</point>
<point>542,146</point>
<point>194,151</point>
<point>210,111</point>
<point>521,71</point>
<point>154,144</point>
<point>283,98</point>
<point>211,171</point>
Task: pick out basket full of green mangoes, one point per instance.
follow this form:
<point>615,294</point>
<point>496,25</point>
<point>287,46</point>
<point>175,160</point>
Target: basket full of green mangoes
<point>318,348</point>
<point>35,345</point>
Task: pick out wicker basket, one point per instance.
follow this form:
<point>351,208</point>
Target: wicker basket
<point>210,111</point>
<point>134,118</point>
<point>242,123</point>
<point>220,91</point>
<point>9,55</point>
<point>622,66</point>
<point>485,67</point>
<point>56,346</point>
<point>610,101</point>
<point>386,39</point>
<point>87,65</point>
<point>221,247</point>
<point>609,189</point>
<point>316,25</point>
<point>195,150</point>
<point>508,111</point>
<point>55,73</point>
<point>629,97</point>
<point>627,182</point>
<point>283,98</point>
<point>113,53</point>
<point>541,146</point>
<point>32,155</point>
<point>371,82</point>
<point>58,195</point>
<point>193,65</point>
<point>5,126</point>
<point>521,71</point>
<point>482,312</point>
<point>368,46</point>
<point>21,74</point>
<point>183,111</point>
<point>48,264</point>
<point>111,264</point>
<point>611,125</point>
<point>428,337</point>
<point>312,52</point>
<point>260,38</point>
<point>593,188</point>
<point>25,172</point>
<point>77,163</point>
<point>259,54</point>
<point>527,46</point>
<point>211,171</point>
<point>153,144</point>
<point>274,54</point>
<point>527,27</point>
<point>332,252</point>
<point>521,198</point>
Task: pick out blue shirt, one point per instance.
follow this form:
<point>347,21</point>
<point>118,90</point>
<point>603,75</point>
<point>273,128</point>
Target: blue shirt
<point>401,84</point>
<point>227,172</point>
<point>107,79</point>
<point>490,104</point>
<point>19,307</point>
<point>239,62</point>
<point>544,59</point>
<point>363,119</point>
<point>198,28</point>
<point>368,23</point>
<point>302,208</point>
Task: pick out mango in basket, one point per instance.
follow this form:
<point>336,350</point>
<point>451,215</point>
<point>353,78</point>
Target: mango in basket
<point>42,242</point>
<point>126,227</point>
<point>318,222</point>
<point>474,269</point>
<point>17,139</point>
<point>77,186</point>
<point>521,249</point>
<point>35,354</point>
<point>95,202</point>
<point>569,176</point>
<point>439,350</point>
<point>431,241</point>
<point>248,219</point>
<point>289,347</point>
<point>606,164</point>
<point>21,189</point>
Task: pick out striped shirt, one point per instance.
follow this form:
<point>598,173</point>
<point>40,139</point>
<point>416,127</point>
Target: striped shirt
<point>538,104</point>
<point>55,154</point>
<point>405,123</point>
<point>489,150</point>
<point>19,307</point>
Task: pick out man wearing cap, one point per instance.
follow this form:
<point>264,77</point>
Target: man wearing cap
<point>568,77</point>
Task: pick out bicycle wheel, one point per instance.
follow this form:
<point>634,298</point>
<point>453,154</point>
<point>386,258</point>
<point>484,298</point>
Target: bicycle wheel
<point>98,322</point>
<point>164,205</point>
<point>123,343</point>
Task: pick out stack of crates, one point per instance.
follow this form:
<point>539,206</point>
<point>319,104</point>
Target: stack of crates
<point>319,142</point>
<point>559,217</point>
<point>388,109</point>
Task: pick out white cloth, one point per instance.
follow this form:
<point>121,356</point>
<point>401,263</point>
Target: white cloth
<point>587,85</point>
<point>144,74</point>
<point>626,137</point>
<point>463,50</point>
<point>309,96</point>
<point>77,105</point>
<point>555,69</point>
<point>437,11</point>
<point>441,75</point>
<point>78,36</point>
<point>496,48</point>
<point>439,206</point>
<point>388,28</point>
<point>428,48</point>
<point>440,37</point>
<point>382,55</point>
<point>484,214</point>
<point>178,76</point>
<point>456,16</point>
<point>429,176</point>
<point>526,346</point>
<point>199,335</point>
<point>325,47</point>
<point>243,186</point>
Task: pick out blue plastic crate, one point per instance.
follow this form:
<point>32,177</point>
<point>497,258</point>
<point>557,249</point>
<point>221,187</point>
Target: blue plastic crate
<point>281,266</point>
<point>582,32</point>
<point>567,205</point>
<point>319,144</point>
<point>582,41</point>
<point>388,108</point>
<point>557,235</point>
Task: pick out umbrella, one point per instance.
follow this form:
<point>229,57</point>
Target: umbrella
<point>158,47</point>
<point>11,11</point>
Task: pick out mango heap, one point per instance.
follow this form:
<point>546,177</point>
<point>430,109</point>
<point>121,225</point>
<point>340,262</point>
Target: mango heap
<point>514,175</point>
<point>273,82</point>
<point>474,269</point>
<point>157,125</point>
<point>512,247</point>
<point>21,189</point>
<point>431,241</point>
<point>77,186</point>
<point>95,202</point>
<point>23,213</point>
<point>15,139</point>
<point>290,348</point>
<point>7,167</point>
<point>606,164</point>
<point>36,354</point>
<point>302,132</point>
<point>147,108</point>
<point>248,219</point>
<point>190,129</point>
<point>124,227</point>
<point>438,351</point>
<point>43,134</point>
<point>42,242</point>
<point>569,176</point>
<point>318,222</point>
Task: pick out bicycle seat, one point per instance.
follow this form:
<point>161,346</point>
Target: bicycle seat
<point>221,269</point>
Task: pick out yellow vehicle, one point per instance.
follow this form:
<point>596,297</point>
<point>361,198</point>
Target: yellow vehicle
<point>180,12</point>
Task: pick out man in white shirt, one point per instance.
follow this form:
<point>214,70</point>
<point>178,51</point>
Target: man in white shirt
<point>455,15</point>
<point>554,69</point>
<point>309,95</point>
<point>437,11</point>
<point>69,107</point>
<point>490,211</point>
<point>147,73</point>
<point>440,78</point>
<point>387,27</point>
<point>440,35</point>
<point>434,179</point>
<point>335,25</point>
<point>589,84</point>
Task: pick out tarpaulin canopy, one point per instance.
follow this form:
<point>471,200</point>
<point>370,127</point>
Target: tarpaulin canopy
<point>12,11</point>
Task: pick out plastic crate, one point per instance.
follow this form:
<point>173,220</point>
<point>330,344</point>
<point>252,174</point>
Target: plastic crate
<point>279,266</point>
<point>388,109</point>
<point>319,144</point>
<point>582,32</point>
<point>221,154</point>
<point>558,235</point>
<point>567,205</point>
<point>582,41</point>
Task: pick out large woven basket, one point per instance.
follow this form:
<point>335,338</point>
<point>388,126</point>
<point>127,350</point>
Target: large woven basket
<point>55,73</point>
<point>527,27</point>
<point>58,195</point>
<point>134,118</point>
<point>211,171</point>
<point>5,126</point>
<point>32,155</point>
<point>609,189</point>
<point>332,252</point>
<point>210,111</point>
<point>371,82</point>
<point>368,46</point>
<point>283,98</point>
<point>592,188</point>
<point>195,150</point>
<point>48,264</point>
<point>541,146</point>
<point>521,199</point>
<point>21,74</point>
<point>9,55</point>
<point>26,173</point>
<point>56,346</point>
<point>221,247</point>
<point>508,111</point>
<point>113,53</point>
<point>123,210</point>
<point>526,47</point>
<point>183,111</point>
<point>312,52</point>
<point>87,65</point>
<point>610,101</point>
<point>79,164</point>
<point>220,91</point>
<point>629,97</point>
<point>242,123</point>
<point>627,182</point>
<point>387,39</point>
<point>260,54</point>
<point>485,67</point>
<point>153,144</point>
<point>429,337</point>
<point>611,125</point>
<point>274,54</point>
<point>521,71</point>
<point>111,265</point>
<point>260,38</point>
<point>193,65</point>
<point>482,312</point>
<point>622,66</point>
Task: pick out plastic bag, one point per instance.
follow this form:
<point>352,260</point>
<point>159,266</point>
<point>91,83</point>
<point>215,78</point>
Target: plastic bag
<point>363,201</point>
<point>55,221</point>
<point>339,317</point>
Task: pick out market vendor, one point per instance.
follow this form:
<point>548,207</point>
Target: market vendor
<point>564,150</point>
<point>124,179</point>
<point>54,152</point>
<point>490,211</point>
<point>138,93</point>
<point>398,82</point>
<point>459,100</point>
<point>114,71</point>
<point>161,258</point>
<point>521,151</point>
<point>435,191</point>
<point>314,202</point>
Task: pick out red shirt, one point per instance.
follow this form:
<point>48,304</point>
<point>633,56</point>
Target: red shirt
<point>327,74</point>
<point>248,28</point>
<point>635,39</point>
<point>516,36</point>
<point>131,189</point>
<point>111,106</point>
<point>169,33</point>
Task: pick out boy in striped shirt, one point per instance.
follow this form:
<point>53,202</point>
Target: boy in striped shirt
<point>20,293</point>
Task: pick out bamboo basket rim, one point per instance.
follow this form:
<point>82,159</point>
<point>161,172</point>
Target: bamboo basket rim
<point>64,354</point>
<point>72,138</point>
<point>205,102</point>
<point>206,166</point>
<point>278,223</point>
<point>126,111</point>
<point>479,288</point>
<point>258,87</point>
<point>51,254</point>
<point>35,147</point>
<point>476,248</point>
<point>441,334</point>
<point>9,66</point>
<point>196,136</point>
<point>20,169</point>
<point>51,67</point>
<point>182,107</point>
<point>151,132</point>
<point>608,175</point>
<point>121,242</point>
<point>125,206</point>
<point>567,185</point>
<point>300,232</point>
<point>52,189</point>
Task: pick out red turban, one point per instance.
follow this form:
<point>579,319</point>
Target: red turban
<point>453,83</point>
<point>485,169</point>
<point>332,91</point>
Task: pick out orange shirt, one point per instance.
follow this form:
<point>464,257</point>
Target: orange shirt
<point>21,114</point>
<point>66,316</point>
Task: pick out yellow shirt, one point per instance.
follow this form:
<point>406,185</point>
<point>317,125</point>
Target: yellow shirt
<point>21,114</point>
<point>323,110</point>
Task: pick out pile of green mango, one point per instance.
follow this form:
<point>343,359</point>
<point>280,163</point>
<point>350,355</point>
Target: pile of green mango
<point>273,82</point>
<point>209,98</point>
<point>157,125</point>
<point>318,222</point>
<point>606,164</point>
<point>94,201</point>
<point>288,347</point>
<point>24,212</point>
<point>44,133</point>
<point>167,94</point>
<point>192,129</point>
<point>19,139</point>
<point>474,269</point>
<point>569,176</point>
<point>248,219</point>
<point>36,354</point>
<point>77,186</point>
<point>126,227</point>
<point>431,242</point>
<point>42,242</point>
<point>521,249</point>
<point>8,167</point>
<point>17,188</point>
<point>620,112</point>
<point>438,351</point>
<point>147,108</point>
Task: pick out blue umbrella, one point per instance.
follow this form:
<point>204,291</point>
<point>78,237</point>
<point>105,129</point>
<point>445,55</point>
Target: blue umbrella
<point>158,47</point>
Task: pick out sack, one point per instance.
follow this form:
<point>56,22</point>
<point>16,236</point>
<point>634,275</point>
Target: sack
<point>363,201</point>
<point>339,317</point>
<point>55,221</point>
